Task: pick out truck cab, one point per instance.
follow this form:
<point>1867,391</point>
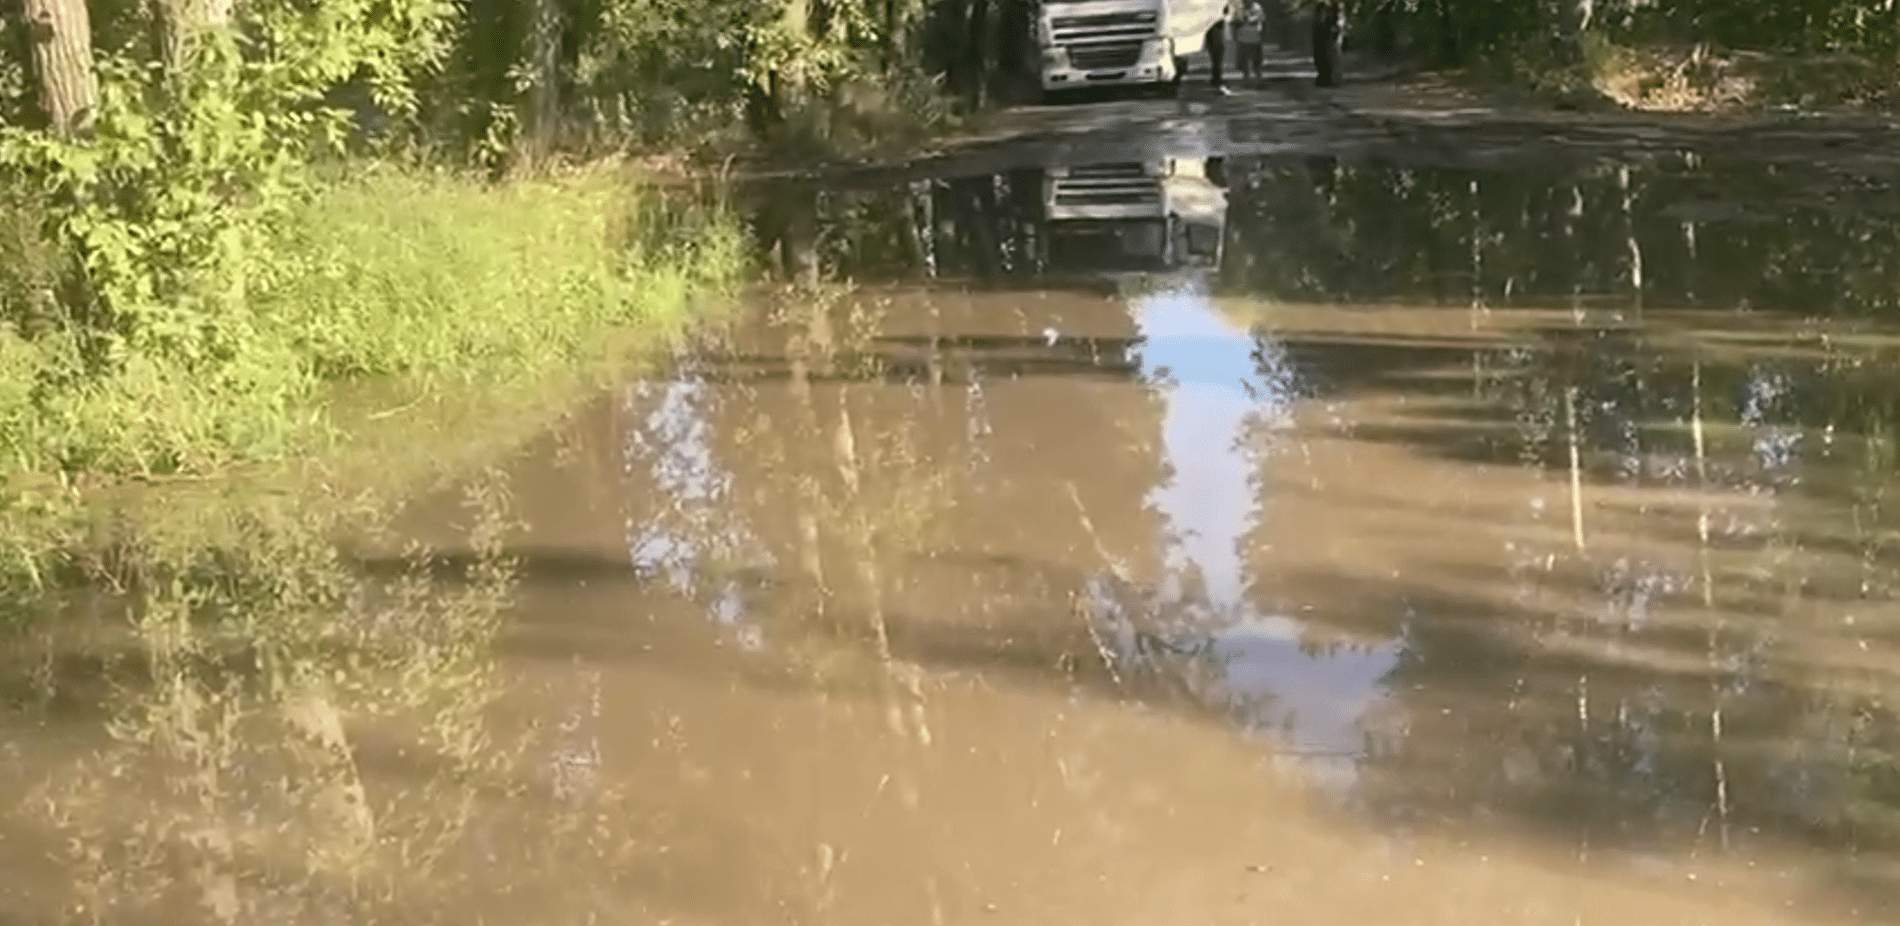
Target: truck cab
<point>1158,215</point>
<point>1107,43</point>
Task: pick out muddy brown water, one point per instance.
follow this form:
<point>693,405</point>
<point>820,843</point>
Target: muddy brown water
<point>1372,576</point>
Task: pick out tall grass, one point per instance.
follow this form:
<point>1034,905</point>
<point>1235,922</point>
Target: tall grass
<point>403,272</point>
<point>390,272</point>
<point>386,283</point>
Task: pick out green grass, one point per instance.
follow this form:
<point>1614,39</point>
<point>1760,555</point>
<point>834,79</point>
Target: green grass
<point>387,273</point>
<point>405,316</point>
<point>418,273</point>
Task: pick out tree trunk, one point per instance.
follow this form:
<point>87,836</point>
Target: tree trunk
<point>177,20</point>
<point>61,35</point>
<point>1279,28</point>
<point>1893,31</point>
<point>1326,44</point>
<point>763,114</point>
<point>980,51</point>
<point>544,68</point>
<point>889,46</point>
<point>1450,50</point>
<point>1385,30</point>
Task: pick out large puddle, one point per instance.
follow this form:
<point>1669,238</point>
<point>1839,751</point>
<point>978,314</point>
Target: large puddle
<point>1362,545</point>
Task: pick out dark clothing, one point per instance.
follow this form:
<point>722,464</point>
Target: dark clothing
<point>1252,59</point>
<point>1249,37</point>
<point>1217,51</point>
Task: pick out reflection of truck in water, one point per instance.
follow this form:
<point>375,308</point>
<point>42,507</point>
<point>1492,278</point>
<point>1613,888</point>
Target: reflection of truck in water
<point>1138,216</point>
<point>1097,43</point>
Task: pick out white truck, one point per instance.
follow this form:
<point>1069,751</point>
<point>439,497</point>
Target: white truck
<point>1164,214</point>
<point>1110,43</point>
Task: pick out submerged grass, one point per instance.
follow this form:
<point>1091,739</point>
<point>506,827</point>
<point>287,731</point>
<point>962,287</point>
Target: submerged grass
<point>177,606</point>
<point>239,684</point>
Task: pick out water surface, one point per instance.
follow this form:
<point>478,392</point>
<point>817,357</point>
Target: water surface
<point>1458,546</point>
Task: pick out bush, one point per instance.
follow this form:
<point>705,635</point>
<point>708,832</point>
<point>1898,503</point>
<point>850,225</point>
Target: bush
<point>389,272</point>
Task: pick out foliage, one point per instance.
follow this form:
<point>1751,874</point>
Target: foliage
<point>1469,30</point>
<point>390,272</point>
<point>163,203</point>
<point>637,73</point>
<point>178,277</point>
<point>164,217</point>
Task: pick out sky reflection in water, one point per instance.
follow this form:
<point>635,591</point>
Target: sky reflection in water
<point>1228,413</point>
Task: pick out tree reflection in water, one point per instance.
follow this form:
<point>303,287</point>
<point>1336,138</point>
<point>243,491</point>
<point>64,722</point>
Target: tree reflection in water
<point>1593,465</point>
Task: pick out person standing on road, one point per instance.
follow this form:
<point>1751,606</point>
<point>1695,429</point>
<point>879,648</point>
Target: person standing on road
<point>1248,36</point>
<point>1217,48</point>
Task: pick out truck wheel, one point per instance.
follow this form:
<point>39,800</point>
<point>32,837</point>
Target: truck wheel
<point>1180,74</point>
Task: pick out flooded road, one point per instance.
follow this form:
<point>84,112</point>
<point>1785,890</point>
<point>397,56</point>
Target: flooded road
<point>1381,112</point>
<point>1437,546</point>
<point>1364,544</point>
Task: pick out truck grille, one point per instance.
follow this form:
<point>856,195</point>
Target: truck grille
<point>1108,196</point>
<point>1104,27</point>
<point>1115,170</point>
<point>1107,185</point>
<point>1103,42</point>
<point>1099,56</point>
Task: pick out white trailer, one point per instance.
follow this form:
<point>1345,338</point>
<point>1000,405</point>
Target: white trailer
<point>1119,43</point>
